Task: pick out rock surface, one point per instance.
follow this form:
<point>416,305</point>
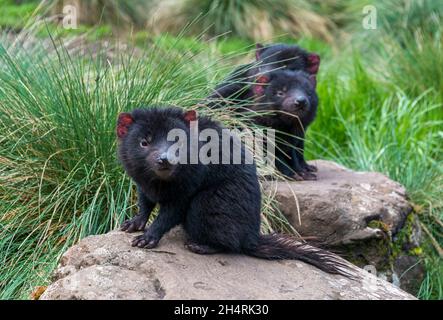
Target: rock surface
<point>359,213</point>
<point>107,267</point>
<point>340,204</point>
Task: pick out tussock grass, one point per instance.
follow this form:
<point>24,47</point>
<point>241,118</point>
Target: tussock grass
<point>249,19</point>
<point>258,19</point>
<point>119,13</point>
<point>59,176</point>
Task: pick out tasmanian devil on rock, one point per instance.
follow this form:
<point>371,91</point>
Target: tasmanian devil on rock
<point>290,101</point>
<point>217,204</point>
<point>271,57</point>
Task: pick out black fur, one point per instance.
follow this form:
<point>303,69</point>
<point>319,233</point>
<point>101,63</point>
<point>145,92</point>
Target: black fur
<point>291,101</point>
<point>275,56</point>
<point>218,205</point>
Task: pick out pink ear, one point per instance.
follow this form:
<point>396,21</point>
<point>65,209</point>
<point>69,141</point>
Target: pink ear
<point>258,88</point>
<point>123,123</point>
<point>258,49</point>
<point>313,63</point>
<point>313,80</point>
<point>190,115</point>
<point>262,79</point>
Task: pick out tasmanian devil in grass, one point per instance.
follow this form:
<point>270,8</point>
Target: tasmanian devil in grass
<point>270,57</point>
<point>217,204</point>
<point>290,101</point>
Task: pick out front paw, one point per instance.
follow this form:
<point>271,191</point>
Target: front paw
<point>137,223</point>
<point>303,176</point>
<point>146,240</point>
<point>306,175</point>
<point>310,168</point>
<point>295,177</point>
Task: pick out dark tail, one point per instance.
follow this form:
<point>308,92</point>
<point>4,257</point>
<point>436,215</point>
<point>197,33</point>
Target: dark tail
<point>279,247</point>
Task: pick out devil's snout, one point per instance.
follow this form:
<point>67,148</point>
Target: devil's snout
<point>296,102</point>
<point>162,158</point>
<point>301,101</point>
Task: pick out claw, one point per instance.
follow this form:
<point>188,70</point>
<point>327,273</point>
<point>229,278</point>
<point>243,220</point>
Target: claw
<point>145,241</point>
<point>303,176</point>
<point>311,168</point>
<point>308,176</point>
<point>296,177</point>
<point>151,244</point>
<point>135,224</point>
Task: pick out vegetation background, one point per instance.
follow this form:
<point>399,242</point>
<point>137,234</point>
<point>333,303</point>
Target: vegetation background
<point>381,94</point>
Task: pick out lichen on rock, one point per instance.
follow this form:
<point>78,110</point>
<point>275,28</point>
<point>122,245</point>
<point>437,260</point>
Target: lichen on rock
<point>364,215</point>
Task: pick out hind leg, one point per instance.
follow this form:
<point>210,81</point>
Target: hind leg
<point>201,248</point>
<point>224,217</point>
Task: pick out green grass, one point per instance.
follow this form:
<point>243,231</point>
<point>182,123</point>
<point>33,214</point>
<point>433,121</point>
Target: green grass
<point>257,19</point>
<point>15,16</point>
<point>99,32</point>
<point>59,177</point>
<point>116,12</point>
<point>246,19</point>
<point>419,56</point>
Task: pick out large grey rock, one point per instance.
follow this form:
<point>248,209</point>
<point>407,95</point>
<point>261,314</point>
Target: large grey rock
<point>360,213</point>
<point>107,267</point>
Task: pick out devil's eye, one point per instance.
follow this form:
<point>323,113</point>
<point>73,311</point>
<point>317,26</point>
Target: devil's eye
<point>280,93</point>
<point>144,143</point>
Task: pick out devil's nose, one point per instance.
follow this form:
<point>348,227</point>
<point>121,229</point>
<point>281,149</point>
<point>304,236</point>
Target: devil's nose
<point>163,158</point>
<point>301,101</point>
